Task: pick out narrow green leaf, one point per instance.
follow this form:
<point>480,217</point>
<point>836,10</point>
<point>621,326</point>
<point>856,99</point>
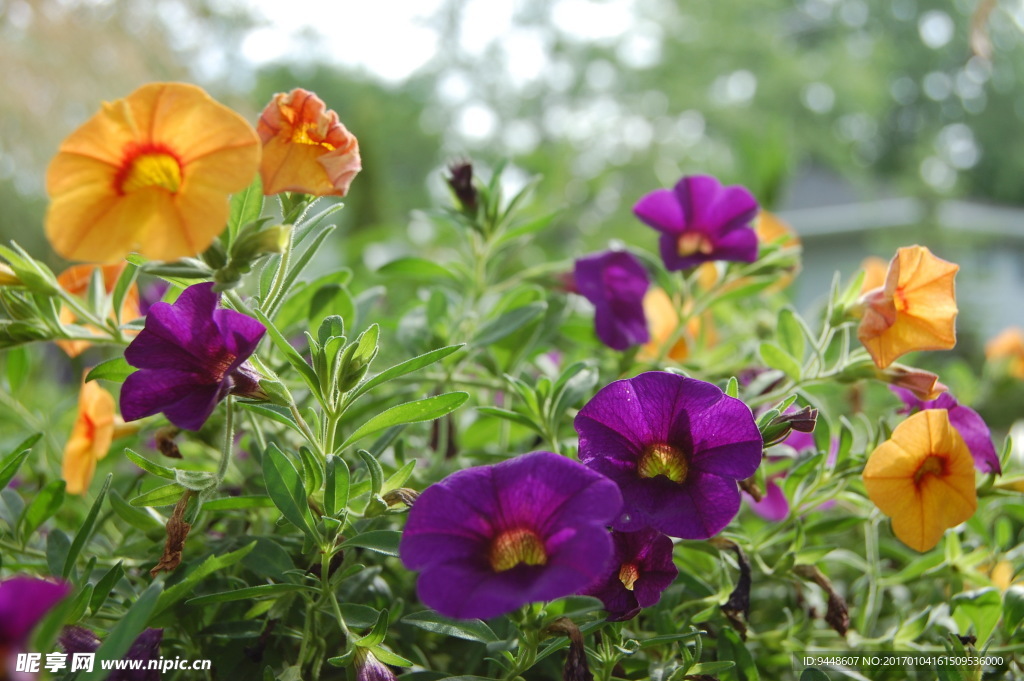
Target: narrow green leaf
<point>509,415</point>
<point>57,547</point>
<point>136,518</point>
<point>124,284</point>
<point>399,477</point>
<point>388,657</point>
<point>406,367</point>
<point>381,541</point>
<point>42,506</point>
<point>469,630</point>
<point>813,674</point>
<point>416,268</point>
<point>284,485</point>
<point>235,503</point>
<point>12,462</point>
<point>246,206</point>
<point>207,567</point>
<point>336,487</point>
<point>165,495</point>
<point>791,334</point>
<point>377,634</point>
<point>775,357</point>
<point>426,409</point>
<point>105,586</point>
<point>508,323</point>
<point>115,370</point>
<point>376,472</point>
<point>253,592</point>
<point>290,353</point>
<point>85,532</point>
<point>17,367</point>
<point>149,466</point>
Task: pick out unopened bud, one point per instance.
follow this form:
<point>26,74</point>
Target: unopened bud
<point>461,182</point>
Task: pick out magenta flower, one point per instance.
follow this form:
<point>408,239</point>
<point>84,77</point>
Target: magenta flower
<point>615,282</point>
<point>968,423</point>
<point>676,447</point>
<point>490,539</point>
<point>641,570</point>
<point>24,601</point>
<point>700,221</point>
<point>190,356</point>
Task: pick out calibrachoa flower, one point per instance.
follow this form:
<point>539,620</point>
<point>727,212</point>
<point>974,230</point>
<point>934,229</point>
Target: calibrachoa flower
<point>663,323</point>
<point>75,280</point>
<point>641,570</point>
<point>914,310</point>
<point>145,648</point>
<point>490,539</point>
<point>95,428</point>
<point>922,478</point>
<point>615,283</point>
<point>190,356</point>
<point>305,147</point>
<point>676,447</point>
<point>23,602</point>
<point>875,271</point>
<point>700,221</point>
<point>149,173</point>
<point>369,668</point>
<point>1008,346</point>
<point>968,423</point>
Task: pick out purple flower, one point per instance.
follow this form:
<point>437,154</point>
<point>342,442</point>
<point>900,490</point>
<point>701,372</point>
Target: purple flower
<point>492,538</point>
<point>369,668</point>
<point>23,602</point>
<point>146,647</point>
<point>615,282</point>
<point>676,447</point>
<point>190,356</point>
<point>642,569</point>
<point>968,423</point>
<point>700,221</point>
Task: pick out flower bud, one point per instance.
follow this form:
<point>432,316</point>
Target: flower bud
<point>369,668</point>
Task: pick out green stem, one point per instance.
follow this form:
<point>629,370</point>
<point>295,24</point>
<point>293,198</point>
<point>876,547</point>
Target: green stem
<point>229,439</point>
<point>277,285</point>
<point>310,436</point>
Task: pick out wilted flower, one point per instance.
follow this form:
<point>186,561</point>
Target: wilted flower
<point>369,668</point>
<point>615,283</point>
<point>75,280</point>
<point>95,428</point>
<point>305,147</point>
<point>149,173</point>
<point>922,478</point>
<point>968,423</point>
<point>700,221</point>
<point>641,570</point>
<point>191,355</point>
<point>1008,346</point>
<point>676,447</point>
<point>24,601</point>
<point>914,310</point>
<point>145,648</point>
<point>490,539</point>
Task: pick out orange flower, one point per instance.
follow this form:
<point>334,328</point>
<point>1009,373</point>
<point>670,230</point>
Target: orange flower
<point>90,438</point>
<point>875,269</point>
<point>149,173</point>
<point>914,310</point>
<point>922,478</point>
<point>662,323</point>
<point>305,148</point>
<point>75,280</point>
<point>770,230</point>
<point>1008,345</point>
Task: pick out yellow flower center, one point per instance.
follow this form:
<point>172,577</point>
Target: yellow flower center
<point>628,575</point>
<point>932,465</point>
<point>694,242</point>
<point>663,459</point>
<point>515,547</point>
<point>300,135</point>
<point>151,169</point>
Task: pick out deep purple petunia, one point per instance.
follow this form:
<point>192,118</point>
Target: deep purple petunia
<point>190,356</point>
<point>676,447</point>
<point>24,601</point>
<point>146,647</point>
<point>490,539</point>
<point>615,282</point>
<point>642,569</point>
<point>700,220</point>
<point>968,423</point>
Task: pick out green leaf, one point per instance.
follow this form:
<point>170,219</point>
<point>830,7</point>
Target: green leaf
<point>376,472</point>
<point>17,366</point>
<point>86,530</point>
<point>732,388</point>
<point>377,634</point>
<point>775,357</point>
<point>336,486</point>
<point>508,323</point>
<point>299,264</point>
<point>426,409</point>
<point>165,495</point>
<point>406,367</point>
<point>105,586</point>
<point>290,353</point>
<point>207,567</point>
<point>469,630</point>
<point>399,477</point>
<point>12,462</point>
<point>981,608</point>
<point>115,370</point>
<point>709,668</point>
<point>246,206</point>
<point>513,416</point>
<point>253,592</point>
<point>791,334</point>
<point>381,541</point>
<point>133,516</point>
<point>388,657</point>
<point>124,284</point>
<point>812,674</point>
<point>236,503</point>
<point>416,268</point>
<point>43,505</point>
<point>57,547</point>
<point>149,466</point>
<point>284,485</point>
<point>1013,607</point>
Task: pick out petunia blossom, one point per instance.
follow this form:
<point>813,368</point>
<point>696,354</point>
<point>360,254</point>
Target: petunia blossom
<point>190,356</point>
<point>700,221</point>
<point>641,570</point>
<point>305,147</point>
<point>149,173</point>
<point>615,283</point>
<point>663,324</point>
<point>96,426</point>
<point>369,668</point>
<point>145,648</point>
<point>914,310</point>
<point>675,446</point>
<point>1008,347</point>
<point>24,601</point>
<point>922,478</point>
<point>75,280</point>
<point>968,423</point>
<point>487,540</point>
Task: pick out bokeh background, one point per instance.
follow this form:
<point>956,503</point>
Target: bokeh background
<point>867,124</point>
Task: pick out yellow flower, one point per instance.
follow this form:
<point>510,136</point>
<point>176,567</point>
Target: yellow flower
<point>662,323</point>
<point>1009,346</point>
<point>305,147</point>
<point>922,478</point>
<point>149,173</point>
<point>914,310</point>
<point>75,280</point>
<point>90,438</point>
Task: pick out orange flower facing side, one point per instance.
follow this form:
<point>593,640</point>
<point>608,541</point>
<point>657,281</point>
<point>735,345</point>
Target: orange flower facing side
<point>922,478</point>
<point>662,323</point>
<point>75,280</point>
<point>149,173</point>
<point>305,147</point>
<point>90,438</point>
<point>1008,346</point>
<point>875,270</point>
<point>914,310</point>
